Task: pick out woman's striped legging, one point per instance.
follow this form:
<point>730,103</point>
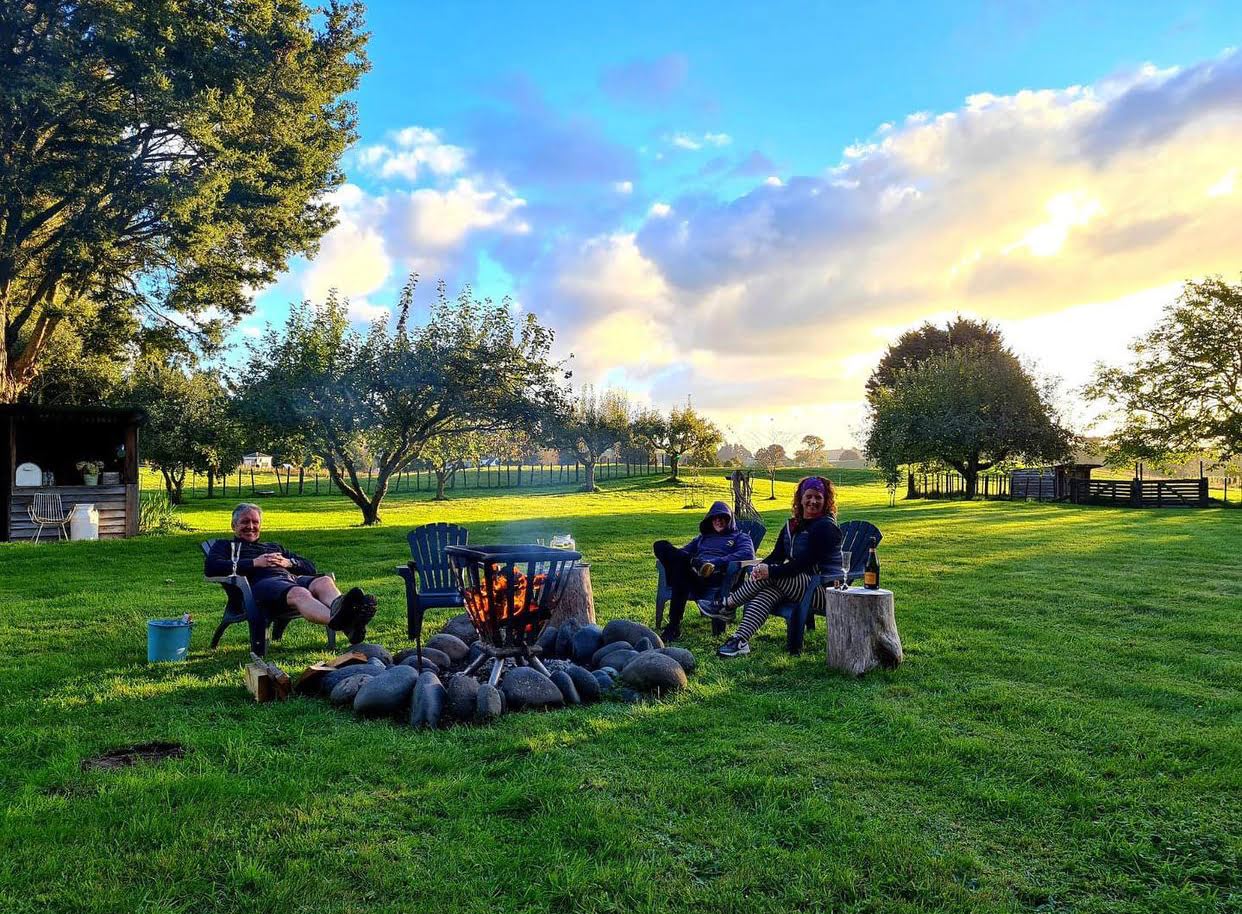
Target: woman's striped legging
<point>762,597</point>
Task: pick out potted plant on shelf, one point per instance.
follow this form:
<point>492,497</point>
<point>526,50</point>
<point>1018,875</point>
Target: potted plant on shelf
<point>90,470</point>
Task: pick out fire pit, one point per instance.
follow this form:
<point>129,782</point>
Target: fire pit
<point>509,592</point>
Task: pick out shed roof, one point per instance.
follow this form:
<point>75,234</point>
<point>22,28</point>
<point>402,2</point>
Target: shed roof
<point>95,415</point>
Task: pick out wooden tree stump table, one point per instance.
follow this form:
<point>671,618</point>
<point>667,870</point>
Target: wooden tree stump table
<point>862,630</point>
<point>577,602</point>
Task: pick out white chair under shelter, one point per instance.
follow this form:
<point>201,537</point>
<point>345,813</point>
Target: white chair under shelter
<point>46,510</point>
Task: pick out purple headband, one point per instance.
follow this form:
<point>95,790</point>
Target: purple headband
<point>812,482</point>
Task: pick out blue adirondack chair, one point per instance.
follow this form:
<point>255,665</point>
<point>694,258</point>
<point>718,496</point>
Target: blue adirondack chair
<point>732,573</point>
<point>855,539</point>
<point>429,582</point>
<point>241,607</point>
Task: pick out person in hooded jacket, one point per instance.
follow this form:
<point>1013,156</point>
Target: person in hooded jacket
<point>696,568</point>
<point>809,544</point>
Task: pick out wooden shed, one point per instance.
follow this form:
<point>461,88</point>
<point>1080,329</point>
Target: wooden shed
<point>47,443</point>
<point>1054,483</point>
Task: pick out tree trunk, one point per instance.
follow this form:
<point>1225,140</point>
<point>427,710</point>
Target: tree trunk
<point>673,462</point>
<point>441,479</point>
<point>862,630</point>
<point>911,492</point>
<point>590,476</point>
<point>971,475</point>
<point>211,484</point>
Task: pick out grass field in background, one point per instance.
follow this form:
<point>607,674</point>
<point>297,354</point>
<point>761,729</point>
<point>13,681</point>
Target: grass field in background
<point>1063,736</point>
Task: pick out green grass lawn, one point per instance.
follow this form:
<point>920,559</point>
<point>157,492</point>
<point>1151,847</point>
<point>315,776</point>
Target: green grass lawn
<point>1064,734</point>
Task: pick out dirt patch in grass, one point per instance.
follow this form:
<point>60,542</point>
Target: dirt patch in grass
<point>132,755</point>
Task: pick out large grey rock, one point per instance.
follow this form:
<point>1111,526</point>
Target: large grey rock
<point>565,638</point>
<point>586,641</point>
<point>569,691</point>
<point>344,692</point>
<point>461,627</point>
<point>489,704</point>
<point>451,645</point>
<point>597,659</point>
<point>476,650</point>
<point>373,652</point>
<point>427,708</point>
<point>618,659</point>
<point>463,693</point>
<point>386,694</point>
<point>423,666</point>
<point>605,680</point>
<point>586,684</point>
<point>644,644</point>
<point>654,672</point>
<point>526,687</point>
<point>682,656</point>
<point>438,657</point>
<point>631,631</point>
<point>547,640</point>
<point>331,679</point>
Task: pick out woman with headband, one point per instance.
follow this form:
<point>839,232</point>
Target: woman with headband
<point>809,544</point>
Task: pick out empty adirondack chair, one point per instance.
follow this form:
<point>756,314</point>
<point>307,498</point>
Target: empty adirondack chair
<point>241,607</point>
<point>732,574</point>
<point>855,542</point>
<point>429,582</point>
<point>45,510</point>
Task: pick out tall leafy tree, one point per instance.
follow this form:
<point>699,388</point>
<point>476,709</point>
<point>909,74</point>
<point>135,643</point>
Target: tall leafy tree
<point>770,458</point>
<point>1182,394</point>
<point>389,391</point>
<point>918,345</point>
<point>812,453</point>
<point>159,159</point>
<point>683,432</point>
<point>594,423</point>
<point>968,407</point>
<point>190,422</point>
<point>445,455</point>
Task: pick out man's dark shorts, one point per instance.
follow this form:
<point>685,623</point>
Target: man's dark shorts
<point>269,594</point>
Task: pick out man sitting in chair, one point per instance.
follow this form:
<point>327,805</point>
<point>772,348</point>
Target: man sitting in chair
<point>281,580</point>
<point>697,568</point>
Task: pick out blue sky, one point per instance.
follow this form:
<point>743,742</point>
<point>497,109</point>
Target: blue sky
<point>669,184</point>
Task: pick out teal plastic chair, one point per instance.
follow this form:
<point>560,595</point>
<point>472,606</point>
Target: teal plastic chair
<point>429,581</point>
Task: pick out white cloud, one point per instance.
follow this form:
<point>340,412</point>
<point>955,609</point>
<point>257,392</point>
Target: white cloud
<point>1224,187</point>
<point>418,151</point>
<point>623,187</point>
<point>1020,208</point>
<point>693,142</point>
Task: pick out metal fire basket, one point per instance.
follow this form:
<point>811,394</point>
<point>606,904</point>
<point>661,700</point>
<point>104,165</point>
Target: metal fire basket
<point>509,592</point>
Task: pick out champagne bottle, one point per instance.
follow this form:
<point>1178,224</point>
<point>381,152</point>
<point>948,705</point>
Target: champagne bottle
<point>871,572</point>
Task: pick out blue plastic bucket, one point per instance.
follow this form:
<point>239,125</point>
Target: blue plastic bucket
<point>167,639</point>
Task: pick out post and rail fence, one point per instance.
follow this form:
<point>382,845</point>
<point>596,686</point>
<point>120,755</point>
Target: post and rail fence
<point>247,482</point>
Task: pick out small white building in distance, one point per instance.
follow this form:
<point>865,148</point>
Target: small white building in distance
<point>258,461</point>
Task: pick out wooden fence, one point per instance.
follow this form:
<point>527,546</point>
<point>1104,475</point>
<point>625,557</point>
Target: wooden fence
<point>251,482</point>
<point>1141,493</point>
<point>953,485</point>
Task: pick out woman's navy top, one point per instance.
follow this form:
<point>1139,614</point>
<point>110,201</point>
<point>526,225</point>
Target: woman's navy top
<point>815,548</point>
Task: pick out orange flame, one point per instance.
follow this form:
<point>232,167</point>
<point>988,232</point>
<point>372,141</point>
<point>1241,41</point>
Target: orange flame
<point>484,611</point>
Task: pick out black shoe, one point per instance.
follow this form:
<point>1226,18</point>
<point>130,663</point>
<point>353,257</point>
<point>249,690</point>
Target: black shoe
<point>716,609</point>
<point>366,613</point>
<point>672,632</point>
<point>346,610</point>
<point>734,647</point>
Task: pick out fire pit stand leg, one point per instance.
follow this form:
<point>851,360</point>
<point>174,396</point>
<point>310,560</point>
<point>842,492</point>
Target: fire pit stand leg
<point>475,663</point>
<point>498,666</point>
<point>538,664</point>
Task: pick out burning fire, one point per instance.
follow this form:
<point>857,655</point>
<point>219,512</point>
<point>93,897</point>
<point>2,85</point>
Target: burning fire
<point>484,610</point>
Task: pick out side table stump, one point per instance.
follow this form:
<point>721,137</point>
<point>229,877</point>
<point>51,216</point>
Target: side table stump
<point>862,630</point>
<point>577,602</point>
